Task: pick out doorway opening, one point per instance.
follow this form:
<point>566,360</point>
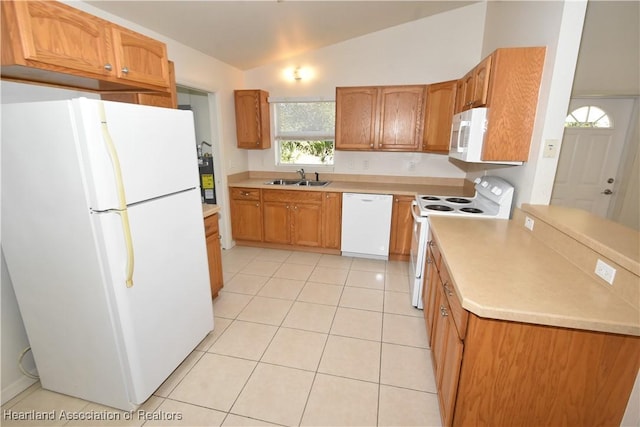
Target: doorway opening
<point>597,159</point>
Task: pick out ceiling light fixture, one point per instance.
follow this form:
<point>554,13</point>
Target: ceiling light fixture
<point>297,74</point>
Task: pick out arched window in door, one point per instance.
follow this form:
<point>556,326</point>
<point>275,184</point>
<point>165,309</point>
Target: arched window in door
<point>588,116</point>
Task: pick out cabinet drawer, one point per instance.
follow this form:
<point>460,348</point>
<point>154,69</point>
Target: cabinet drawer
<point>459,314</point>
<point>245,193</point>
<point>211,226</point>
<point>292,196</point>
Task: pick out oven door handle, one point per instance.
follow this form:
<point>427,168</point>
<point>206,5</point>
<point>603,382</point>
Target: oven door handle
<point>416,217</point>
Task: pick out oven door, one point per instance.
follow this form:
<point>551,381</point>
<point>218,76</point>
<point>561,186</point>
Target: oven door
<point>418,254</point>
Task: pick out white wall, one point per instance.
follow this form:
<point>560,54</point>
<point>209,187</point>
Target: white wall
<point>609,61</point>
<point>429,50</point>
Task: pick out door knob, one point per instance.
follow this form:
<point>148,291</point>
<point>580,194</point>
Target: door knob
<point>607,192</point>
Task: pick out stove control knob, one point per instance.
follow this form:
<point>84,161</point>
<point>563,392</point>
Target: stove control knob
<point>497,191</point>
<point>477,180</point>
<point>484,184</point>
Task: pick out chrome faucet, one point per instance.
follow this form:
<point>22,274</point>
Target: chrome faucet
<point>301,172</point>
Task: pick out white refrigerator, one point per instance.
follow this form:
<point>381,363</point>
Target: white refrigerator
<point>103,236</point>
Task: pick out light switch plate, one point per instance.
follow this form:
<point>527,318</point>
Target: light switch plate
<point>551,148</point>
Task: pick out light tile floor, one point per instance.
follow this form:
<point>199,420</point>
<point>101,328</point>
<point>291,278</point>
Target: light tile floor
<point>300,339</point>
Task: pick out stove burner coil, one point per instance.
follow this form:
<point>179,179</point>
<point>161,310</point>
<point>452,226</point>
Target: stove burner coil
<point>441,208</point>
<point>471,210</point>
<point>458,200</point>
<point>430,198</point>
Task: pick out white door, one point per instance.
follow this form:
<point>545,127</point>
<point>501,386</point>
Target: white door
<point>590,157</point>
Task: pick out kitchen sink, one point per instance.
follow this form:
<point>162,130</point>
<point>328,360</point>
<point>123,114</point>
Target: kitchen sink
<point>283,182</point>
<point>303,182</point>
<point>314,183</point>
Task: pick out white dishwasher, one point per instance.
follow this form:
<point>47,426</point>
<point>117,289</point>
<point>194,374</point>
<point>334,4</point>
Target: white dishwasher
<point>366,225</point>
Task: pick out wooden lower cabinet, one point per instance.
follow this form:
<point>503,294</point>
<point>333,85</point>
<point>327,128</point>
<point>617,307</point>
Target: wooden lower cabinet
<point>493,372</point>
<point>331,220</point>
<point>246,214</point>
<point>292,217</point>
<point>214,253</point>
<point>401,227</point>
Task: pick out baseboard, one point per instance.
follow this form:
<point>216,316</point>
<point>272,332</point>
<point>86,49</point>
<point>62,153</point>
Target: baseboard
<point>15,388</point>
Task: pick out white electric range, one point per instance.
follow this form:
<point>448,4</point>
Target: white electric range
<point>493,199</point>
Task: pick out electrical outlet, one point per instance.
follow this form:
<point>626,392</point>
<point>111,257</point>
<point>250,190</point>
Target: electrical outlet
<point>605,271</point>
<point>412,166</point>
<point>528,223</point>
<point>365,165</point>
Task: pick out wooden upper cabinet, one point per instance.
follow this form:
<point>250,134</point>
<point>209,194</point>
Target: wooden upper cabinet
<point>139,58</point>
<point>473,88</point>
<point>253,127</point>
<point>166,100</point>
<point>356,117</point>
<point>47,33</point>
<point>52,43</point>
<point>401,117</point>
<point>388,118</point>
<point>441,99</point>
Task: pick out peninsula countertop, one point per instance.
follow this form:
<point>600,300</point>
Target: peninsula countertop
<point>501,271</point>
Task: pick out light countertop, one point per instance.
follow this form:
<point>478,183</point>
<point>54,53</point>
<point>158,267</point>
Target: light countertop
<point>501,271</point>
<point>611,239</point>
<point>362,187</point>
<point>208,210</point>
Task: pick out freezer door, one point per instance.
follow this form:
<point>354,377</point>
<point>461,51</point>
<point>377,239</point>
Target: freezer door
<point>168,310</point>
<point>155,148</point>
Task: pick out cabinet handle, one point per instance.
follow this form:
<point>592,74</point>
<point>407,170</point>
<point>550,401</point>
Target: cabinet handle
<point>431,243</point>
<point>446,288</point>
<point>257,205</point>
<point>125,70</point>
<point>108,67</point>
<point>371,145</point>
<point>443,311</point>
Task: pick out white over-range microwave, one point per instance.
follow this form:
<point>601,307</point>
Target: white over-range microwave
<point>468,131</point>
<point>467,135</point>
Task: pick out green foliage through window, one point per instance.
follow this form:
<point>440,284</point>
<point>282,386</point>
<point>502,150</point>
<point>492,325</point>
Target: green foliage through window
<point>304,132</point>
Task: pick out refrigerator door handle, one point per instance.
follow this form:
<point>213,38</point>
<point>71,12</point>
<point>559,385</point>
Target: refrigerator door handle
<point>122,201</point>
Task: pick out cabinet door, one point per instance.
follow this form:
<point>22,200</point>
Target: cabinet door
<point>468,87</point>
<point>166,100</point>
<point>460,93</point>
<point>448,363</point>
<point>253,128</point>
<point>356,118</point>
<point>441,98</point>
<point>53,33</point>
<point>401,118</point>
<point>277,222</point>
<point>331,220</point>
<point>306,221</point>
<point>401,226</point>
<point>214,254</point>
<point>432,281</point>
<point>140,58</point>
<point>246,220</point>
<point>481,83</point>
